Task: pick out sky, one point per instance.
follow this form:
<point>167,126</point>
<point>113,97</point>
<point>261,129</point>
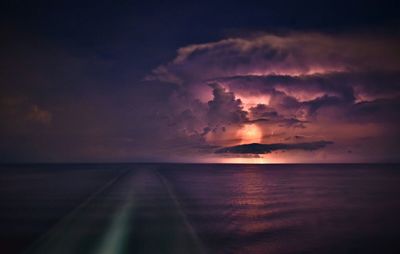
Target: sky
<point>205,81</point>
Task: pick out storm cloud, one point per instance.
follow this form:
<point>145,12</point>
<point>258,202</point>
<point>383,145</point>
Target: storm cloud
<point>342,88</point>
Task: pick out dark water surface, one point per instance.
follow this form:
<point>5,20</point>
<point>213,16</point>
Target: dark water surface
<point>177,208</point>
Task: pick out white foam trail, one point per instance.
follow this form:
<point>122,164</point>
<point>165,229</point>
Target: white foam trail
<point>53,238</point>
<point>115,239</point>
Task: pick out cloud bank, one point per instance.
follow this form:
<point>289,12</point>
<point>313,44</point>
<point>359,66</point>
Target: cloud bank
<point>268,148</point>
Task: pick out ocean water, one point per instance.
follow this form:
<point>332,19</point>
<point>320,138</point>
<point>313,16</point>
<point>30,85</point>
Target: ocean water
<point>184,208</point>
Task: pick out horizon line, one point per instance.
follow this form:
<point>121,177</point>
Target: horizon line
<point>197,163</point>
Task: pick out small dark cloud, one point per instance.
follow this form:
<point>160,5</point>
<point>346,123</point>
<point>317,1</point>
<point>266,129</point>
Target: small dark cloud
<point>256,148</point>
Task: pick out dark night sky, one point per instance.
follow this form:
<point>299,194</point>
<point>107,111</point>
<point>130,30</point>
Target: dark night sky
<point>119,81</point>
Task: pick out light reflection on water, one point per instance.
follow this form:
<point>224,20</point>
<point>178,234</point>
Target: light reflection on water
<point>167,208</point>
<point>292,209</point>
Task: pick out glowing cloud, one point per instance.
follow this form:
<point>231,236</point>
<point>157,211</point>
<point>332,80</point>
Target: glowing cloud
<point>250,133</point>
<point>290,90</point>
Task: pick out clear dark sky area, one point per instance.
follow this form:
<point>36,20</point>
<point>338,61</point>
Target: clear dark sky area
<point>204,81</point>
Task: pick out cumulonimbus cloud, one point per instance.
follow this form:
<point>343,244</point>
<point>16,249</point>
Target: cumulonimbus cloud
<point>318,86</point>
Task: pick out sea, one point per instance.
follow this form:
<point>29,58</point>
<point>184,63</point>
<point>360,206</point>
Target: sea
<point>199,208</point>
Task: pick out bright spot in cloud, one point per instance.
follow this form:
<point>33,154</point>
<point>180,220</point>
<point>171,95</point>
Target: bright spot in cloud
<point>250,133</point>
